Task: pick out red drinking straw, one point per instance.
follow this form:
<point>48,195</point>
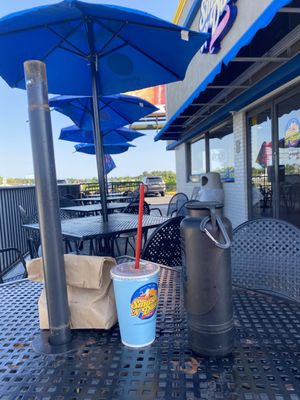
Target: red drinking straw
<point>139,228</point>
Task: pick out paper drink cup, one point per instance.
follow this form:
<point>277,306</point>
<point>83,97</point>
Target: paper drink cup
<point>136,293</point>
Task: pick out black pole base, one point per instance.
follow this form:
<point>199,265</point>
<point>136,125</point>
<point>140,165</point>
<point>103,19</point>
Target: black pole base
<point>42,345</point>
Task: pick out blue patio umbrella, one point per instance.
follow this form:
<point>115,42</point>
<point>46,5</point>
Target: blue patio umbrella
<point>129,49</point>
<point>95,49</point>
<point>75,134</point>
<point>115,110</point>
<point>112,148</point>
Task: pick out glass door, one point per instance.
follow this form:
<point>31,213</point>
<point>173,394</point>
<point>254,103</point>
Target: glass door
<point>261,164</point>
<point>288,173</point>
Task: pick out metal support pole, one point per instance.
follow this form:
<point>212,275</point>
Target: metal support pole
<point>106,184</point>
<point>98,139</point>
<point>48,204</point>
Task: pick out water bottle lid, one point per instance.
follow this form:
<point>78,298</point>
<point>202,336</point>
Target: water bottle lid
<point>204,205</point>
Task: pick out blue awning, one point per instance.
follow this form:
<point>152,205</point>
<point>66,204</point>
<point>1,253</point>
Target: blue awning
<point>221,73</point>
<point>279,77</point>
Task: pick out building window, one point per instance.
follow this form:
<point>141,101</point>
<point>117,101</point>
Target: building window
<point>221,153</point>
<point>274,158</point>
<point>198,157</point>
<point>260,135</point>
<point>288,181</point>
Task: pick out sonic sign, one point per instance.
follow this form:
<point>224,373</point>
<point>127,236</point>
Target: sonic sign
<point>216,18</point>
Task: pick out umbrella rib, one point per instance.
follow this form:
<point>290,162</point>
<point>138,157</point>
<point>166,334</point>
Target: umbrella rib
<point>169,28</point>
<point>111,51</point>
<point>65,39</point>
<point>177,28</point>
<point>109,104</point>
<point>80,107</point>
<point>49,51</point>
<point>111,39</point>
<point>113,19</point>
<point>39,26</point>
<point>85,57</point>
<point>139,50</point>
<point>85,110</point>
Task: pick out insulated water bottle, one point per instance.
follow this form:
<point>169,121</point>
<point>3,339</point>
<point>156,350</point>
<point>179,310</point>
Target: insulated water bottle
<point>207,279</point>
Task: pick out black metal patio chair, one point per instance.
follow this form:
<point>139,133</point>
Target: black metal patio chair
<point>66,201</point>
<point>164,245</point>
<point>33,237</point>
<point>195,193</point>
<point>17,270</point>
<point>129,194</point>
<point>175,203</point>
<point>132,208</point>
<point>69,196</point>
<point>265,256</point>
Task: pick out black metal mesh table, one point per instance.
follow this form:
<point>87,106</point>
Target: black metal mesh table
<point>94,227</point>
<point>92,208</point>
<point>96,199</point>
<point>264,365</point>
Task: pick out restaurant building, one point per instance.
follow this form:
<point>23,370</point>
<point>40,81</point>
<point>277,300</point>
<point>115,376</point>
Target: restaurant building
<point>237,112</point>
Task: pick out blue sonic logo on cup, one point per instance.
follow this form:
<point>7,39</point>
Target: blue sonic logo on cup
<point>144,301</point>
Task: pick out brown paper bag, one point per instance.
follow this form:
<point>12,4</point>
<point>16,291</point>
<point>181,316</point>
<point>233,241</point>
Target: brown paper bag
<point>76,268</point>
<point>89,288</point>
<point>88,309</point>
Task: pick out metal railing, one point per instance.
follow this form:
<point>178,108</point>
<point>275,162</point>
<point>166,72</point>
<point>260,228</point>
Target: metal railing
<point>112,187</point>
<point>117,187</point>
<point>11,232</point>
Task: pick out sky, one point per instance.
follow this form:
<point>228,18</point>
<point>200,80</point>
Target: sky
<point>15,149</point>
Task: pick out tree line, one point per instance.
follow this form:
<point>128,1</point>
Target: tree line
<point>168,176</point>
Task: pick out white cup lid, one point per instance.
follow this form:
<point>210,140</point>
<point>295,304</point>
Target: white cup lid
<point>126,270</point>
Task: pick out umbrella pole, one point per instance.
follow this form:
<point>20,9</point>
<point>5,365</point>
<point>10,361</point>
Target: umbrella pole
<point>106,183</point>
<point>98,139</point>
<point>48,206</point>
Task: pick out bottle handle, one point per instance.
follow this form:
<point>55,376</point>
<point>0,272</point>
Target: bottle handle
<point>219,222</point>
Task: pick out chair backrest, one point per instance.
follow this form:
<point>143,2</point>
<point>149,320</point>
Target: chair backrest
<point>294,194</point>
<point>128,193</point>
<point>27,219</point>
<point>133,208</point>
<point>23,214</point>
<point>67,202</point>
<point>33,237</point>
<point>131,196</point>
<point>195,192</point>
<point>34,218</point>
<point>15,271</point>
<point>175,203</point>
<point>135,195</point>
<point>265,255</point>
<point>164,245</point>
<point>69,196</point>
